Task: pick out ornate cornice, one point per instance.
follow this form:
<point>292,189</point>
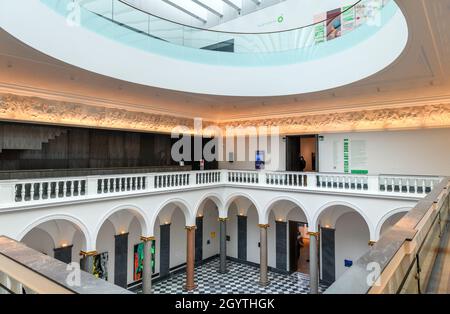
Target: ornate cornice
<point>31,109</point>
<point>38,110</point>
<point>413,117</point>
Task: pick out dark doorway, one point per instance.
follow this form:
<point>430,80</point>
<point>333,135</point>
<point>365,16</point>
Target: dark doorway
<point>302,145</point>
<point>298,253</point>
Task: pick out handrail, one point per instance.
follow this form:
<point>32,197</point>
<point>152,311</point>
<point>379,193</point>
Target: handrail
<point>238,33</point>
<point>42,274</point>
<point>397,252</point>
<point>240,42</point>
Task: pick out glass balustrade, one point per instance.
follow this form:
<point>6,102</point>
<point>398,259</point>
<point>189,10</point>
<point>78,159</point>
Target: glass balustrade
<point>123,22</point>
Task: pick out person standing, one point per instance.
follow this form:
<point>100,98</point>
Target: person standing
<point>302,164</point>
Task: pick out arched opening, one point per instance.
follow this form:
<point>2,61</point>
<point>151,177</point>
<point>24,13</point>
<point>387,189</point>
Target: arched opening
<point>170,239</point>
<point>288,239</point>
<point>117,241</point>
<point>59,238</point>
<point>207,234</point>
<point>242,229</point>
<point>344,237</point>
<point>391,221</point>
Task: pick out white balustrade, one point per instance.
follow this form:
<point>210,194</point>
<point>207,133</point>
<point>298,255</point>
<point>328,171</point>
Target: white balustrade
<point>42,190</point>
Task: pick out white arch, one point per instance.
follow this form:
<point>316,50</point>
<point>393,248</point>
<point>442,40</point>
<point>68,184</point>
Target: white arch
<point>231,198</point>
<point>216,198</point>
<point>141,215</point>
<point>346,204</point>
<point>272,202</point>
<point>77,222</point>
<point>180,203</point>
<point>387,216</point>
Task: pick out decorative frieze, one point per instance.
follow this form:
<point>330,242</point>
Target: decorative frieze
<point>30,109</point>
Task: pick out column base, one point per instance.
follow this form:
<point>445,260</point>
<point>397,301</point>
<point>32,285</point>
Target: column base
<point>263,283</point>
<point>223,272</point>
<point>189,288</point>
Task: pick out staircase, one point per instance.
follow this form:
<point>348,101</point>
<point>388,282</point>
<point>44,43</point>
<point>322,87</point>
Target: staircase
<point>26,137</point>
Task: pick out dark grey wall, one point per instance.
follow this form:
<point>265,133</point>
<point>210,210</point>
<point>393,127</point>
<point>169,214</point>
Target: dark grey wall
<point>281,244</point>
<point>64,254</point>
<point>199,240</point>
<point>164,248</point>
<point>121,260</point>
<point>328,255</point>
<point>33,146</point>
<point>242,237</point>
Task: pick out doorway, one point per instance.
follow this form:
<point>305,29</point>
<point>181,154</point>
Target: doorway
<point>298,247</point>
<point>302,145</point>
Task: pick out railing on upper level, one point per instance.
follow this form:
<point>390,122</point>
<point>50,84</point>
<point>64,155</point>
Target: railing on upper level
<point>29,191</point>
<point>26,271</point>
<point>403,258</point>
<point>133,26</point>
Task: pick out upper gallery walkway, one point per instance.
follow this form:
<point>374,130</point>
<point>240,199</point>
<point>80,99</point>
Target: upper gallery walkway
<point>31,192</point>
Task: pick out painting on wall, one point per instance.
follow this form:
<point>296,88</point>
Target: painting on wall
<point>100,266</point>
<point>138,261</point>
<point>334,24</point>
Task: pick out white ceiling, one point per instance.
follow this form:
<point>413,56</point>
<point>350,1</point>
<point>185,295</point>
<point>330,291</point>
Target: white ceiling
<point>421,75</point>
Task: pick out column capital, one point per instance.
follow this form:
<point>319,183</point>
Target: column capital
<point>372,243</point>
<point>189,228</point>
<point>147,239</point>
<point>265,226</point>
<point>313,234</point>
<point>88,253</point>
<point>223,218</point>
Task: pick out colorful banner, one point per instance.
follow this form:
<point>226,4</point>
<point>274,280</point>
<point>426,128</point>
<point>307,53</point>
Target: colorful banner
<point>334,24</point>
<point>320,28</point>
<point>348,19</point>
<point>138,260</point>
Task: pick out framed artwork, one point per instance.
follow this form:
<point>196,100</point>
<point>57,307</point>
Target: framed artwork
<point>138,260</point>
<point>100,266</point>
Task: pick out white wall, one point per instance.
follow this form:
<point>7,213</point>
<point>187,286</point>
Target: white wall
<point>247,162</point>
<point>106,243</point>
<point>211,225</point>
<point>252,236</point>
<point>178,239</point>
<point>41,241</point>
<point>423,152</point>
<point>351,240</point>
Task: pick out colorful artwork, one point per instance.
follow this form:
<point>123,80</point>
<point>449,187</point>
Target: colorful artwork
<point>139,260</point>
<point>334,24</point>
<point>348,19</point>
<point>320,28</point>
<point>100,266</point>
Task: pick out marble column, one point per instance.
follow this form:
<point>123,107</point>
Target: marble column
<point>263,278</point>
<point>190,258</point>
<point>147,272</point>
<point>88,261</point>
<point>223,245</point>
<point>313,263</point>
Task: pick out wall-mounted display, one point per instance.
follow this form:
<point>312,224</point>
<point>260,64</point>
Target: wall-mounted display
<point>334,24</point>
<point>259,159</point>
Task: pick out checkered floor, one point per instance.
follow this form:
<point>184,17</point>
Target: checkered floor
<point>240,279</point>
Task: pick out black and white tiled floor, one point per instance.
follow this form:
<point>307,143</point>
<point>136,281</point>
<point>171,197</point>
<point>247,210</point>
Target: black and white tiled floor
<point>240,279</point>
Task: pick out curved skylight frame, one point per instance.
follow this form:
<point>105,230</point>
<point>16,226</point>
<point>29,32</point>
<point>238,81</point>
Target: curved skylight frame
<point>160,64</point>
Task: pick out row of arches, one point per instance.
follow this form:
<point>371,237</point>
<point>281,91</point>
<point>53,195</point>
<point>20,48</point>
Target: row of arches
<point>55,234</point>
